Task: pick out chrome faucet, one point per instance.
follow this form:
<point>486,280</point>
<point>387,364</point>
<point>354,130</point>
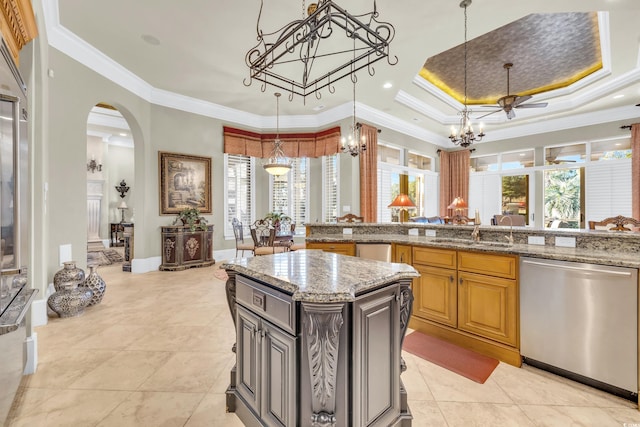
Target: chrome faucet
<point>475,234</point>
<point>510,236</point>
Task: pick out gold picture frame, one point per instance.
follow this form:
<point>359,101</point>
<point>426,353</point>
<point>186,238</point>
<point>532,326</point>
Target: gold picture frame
<point>185,182</point>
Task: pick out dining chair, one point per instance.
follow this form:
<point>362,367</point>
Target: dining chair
<point>350,218</point>
<point>263,234</point>
<point>238,232</point>
<point>616,223</point>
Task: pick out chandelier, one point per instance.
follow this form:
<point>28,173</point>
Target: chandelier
<point>354,143</point>
<point>465,136</point>
<point>300,58</point>
<point>277,164</point>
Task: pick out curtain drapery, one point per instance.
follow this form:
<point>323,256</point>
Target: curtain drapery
<point>369,175</point>
<point>454,177</point>
<point>635,170</point>
<point>316,144</point>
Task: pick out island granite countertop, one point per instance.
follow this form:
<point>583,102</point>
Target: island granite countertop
<point>317,276</point>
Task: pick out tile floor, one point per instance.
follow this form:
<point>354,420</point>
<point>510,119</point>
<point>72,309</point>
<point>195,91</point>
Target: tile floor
<point>157,352</point>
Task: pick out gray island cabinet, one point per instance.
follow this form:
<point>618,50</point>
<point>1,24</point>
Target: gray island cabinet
<point>318,340</point>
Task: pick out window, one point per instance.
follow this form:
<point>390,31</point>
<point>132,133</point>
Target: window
<point>394,178</point>
<point>574,153</point>
<point>239,183</point>
<point>611,150</point>
<point>289,193</point>
<point>515,195</point>
<point>563,196</point>
<point>330,174</point>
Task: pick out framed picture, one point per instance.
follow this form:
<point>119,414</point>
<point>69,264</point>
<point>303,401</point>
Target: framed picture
<point>185,182</point>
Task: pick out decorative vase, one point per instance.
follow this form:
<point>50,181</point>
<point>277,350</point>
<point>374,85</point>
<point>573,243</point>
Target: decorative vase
<point>69,277</point>
<point>96,284</point>
<point>20,280</point>
<point>70,302</point>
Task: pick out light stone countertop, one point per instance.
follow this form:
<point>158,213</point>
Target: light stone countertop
<point>590,255</point>
<point>317,276</point>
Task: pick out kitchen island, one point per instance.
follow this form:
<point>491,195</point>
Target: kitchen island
<point>318,340</point>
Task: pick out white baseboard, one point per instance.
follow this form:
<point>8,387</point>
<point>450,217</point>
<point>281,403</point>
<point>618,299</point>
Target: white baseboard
<point>39,312</point>
<point>31,345</point>
<point>145,265</point>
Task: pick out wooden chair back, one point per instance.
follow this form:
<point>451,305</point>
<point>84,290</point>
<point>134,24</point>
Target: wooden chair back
<point>350,218</point>
<point>263,233</point>
<point>617,223</point>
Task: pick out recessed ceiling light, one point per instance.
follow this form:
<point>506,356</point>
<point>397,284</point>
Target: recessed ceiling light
<point>318,108</point>
<point>415,119</point>
<point>387,85</point>
<point>150,39</point>
<point>523,154</point>
<point>618,96</point>
<point>123,134</point>
<point>618,144</point>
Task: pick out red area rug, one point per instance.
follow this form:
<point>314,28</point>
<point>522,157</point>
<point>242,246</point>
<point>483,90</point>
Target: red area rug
<point>467,363</point>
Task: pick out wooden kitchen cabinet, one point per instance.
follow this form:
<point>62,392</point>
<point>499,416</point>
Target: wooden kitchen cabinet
<point>488,307</point>
<point>468,298</point>
<point>402,253</point>
<point>338,248</point>
<point>436,294</point>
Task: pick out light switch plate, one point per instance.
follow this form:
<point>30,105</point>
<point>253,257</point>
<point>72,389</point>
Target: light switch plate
<point>535,240</point>
<point>413,232</point>
<point>347,231</point>
<point>567,242</point>
<point>430,233</point>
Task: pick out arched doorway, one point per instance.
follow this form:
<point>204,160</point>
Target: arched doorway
<point>110,178</point>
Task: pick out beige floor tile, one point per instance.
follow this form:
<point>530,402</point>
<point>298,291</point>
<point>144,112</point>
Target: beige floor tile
<point>426,414</point>
<point>127,370</point>
<point>448,386</point>
<point>212,412</point>
<point>67,408</point>
<point>67,368</point>
<point>417,388</point>
<point>187,372</point>
<point>560,416</point>
<point>630,416</point>
<point>153,409</point>
<point>460,414</point>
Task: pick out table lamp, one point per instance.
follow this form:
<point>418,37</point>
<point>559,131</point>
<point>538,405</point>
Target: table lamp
<point>402,202</point>
<point>123,207</point>
<point>458,205</point>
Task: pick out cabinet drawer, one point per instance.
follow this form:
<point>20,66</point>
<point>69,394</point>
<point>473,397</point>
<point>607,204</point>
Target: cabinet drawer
<point>491,264</point>
<point>434,257</point>
<point>267,303</point>
<point>338,248</point>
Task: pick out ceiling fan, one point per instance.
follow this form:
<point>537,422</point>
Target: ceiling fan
<point>509,102</point>
<point>556,161</point>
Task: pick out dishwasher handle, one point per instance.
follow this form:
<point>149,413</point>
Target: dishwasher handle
<point>582,270</point>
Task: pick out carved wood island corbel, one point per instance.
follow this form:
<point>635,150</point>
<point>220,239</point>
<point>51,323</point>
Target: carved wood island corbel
<point>318,340</point>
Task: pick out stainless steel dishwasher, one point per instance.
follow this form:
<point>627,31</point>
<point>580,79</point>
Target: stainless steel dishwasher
<point>581,321</point>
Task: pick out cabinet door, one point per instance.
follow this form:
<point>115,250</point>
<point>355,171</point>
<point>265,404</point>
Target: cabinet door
<point>436,295</point>
<point>279,394</point>
<point>376,358</point>
<point>402,253</point>
<point>338,248</point>
<point>248,357</point>
<point>487,306</point>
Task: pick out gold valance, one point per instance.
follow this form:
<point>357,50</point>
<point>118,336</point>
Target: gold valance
<point>316,144</point>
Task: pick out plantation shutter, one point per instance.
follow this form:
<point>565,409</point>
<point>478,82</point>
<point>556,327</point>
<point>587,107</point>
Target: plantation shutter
<point>330,188</point>
<point>239,201</point>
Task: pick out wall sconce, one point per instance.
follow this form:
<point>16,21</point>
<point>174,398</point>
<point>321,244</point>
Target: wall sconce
<point>94,166</point>
<point>122,188</point>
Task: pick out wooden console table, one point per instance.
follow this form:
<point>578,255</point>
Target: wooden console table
<point>183,248</point>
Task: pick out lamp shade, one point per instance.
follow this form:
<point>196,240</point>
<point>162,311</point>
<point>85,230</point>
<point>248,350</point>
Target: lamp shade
<point>458,203</point>
<point>123,205</point>
<point>402,201</point>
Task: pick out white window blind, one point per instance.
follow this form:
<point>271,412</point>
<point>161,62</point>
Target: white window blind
<point>289,193</point>
<point>384,194</point>
<point>239,198</point>
<point>485,194</point>
<point>608,189</point>
<point>330,200</point>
